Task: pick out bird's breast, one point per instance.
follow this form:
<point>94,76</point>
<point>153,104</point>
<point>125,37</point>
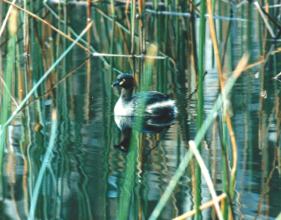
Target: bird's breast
<point>123,108</point>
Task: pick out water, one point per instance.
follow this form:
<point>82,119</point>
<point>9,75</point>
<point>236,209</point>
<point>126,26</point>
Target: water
<point>87,173</point>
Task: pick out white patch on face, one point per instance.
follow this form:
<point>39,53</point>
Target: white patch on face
<point>123,109</point>
<point>163,104</point>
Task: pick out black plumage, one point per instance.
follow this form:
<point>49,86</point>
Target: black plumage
<point>150,103</point>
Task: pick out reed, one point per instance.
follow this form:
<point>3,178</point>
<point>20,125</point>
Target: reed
<point>42,79</point>
<point>228,122</point>
<point>133,25</point>
<point>200,98</point>
<point>36,39</point>
<point>5,21</point>
<point>127,189</point>
<point>129,183</point>
<point>46,162</point>
<point>7,92</point>
<point>198,138</point>
<point>30,13</point>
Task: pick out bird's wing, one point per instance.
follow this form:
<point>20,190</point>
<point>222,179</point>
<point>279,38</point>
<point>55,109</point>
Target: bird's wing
<point>149,97</point>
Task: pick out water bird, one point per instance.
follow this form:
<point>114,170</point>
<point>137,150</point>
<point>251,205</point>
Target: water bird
<point>149,103</point>
<point>158,111</point>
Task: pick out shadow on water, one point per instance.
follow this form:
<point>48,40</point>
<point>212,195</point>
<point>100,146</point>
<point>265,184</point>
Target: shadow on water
<point>151,145</point>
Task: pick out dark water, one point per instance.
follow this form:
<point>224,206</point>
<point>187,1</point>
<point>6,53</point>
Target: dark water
<point>86,173</point>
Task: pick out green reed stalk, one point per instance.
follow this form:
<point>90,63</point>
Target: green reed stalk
<point>198,138</point>
<point>162,78</point>
<point>42,79</point>
<point>8,74</point>
<point>201,52</point>
<point>134,151</point>
<point>155,4</point>
<point>250,27</point>
<point>26,135</point>
<point>225,168</point>
<point>200,100</point>
<point>108,103</point>
<point>62,103</point>
<point>88,64</point>
<point>112,8</point>
<point>166,4</point>
<point>36,61</point>
<point>61,91</point>
<point>1,22</point>
<point>46,162</point>
<point>133,24</point>
<point>176,6</point>
<point>129,178</point>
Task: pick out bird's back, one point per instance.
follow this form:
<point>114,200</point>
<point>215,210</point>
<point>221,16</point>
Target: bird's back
<point>154,103</point>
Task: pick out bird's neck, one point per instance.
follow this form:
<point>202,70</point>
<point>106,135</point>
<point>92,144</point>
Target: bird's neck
<point>126,94</point>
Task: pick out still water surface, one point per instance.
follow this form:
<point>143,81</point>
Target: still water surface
<point>86,174</point>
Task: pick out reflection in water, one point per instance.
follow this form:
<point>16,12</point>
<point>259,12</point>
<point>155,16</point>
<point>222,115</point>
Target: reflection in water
<point>155,164</point>
<point>149,124</point>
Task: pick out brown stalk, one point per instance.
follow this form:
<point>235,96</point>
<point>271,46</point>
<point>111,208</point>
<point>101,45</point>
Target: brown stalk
<point>222,84</point>
<point>141,6</point>
<point>127,6</point>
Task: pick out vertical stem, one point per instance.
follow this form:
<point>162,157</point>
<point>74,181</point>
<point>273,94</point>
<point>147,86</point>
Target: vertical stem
<point>224,165</point>
<point>8,73</point>
<point>46,162</point>
<point>141,27</point>
<point>155,4</point>
<point>200,98</point>
<point>129,179</point>
<point>112,8</point>
<point>88,63</point>
<point>1,22</point>
<point>222,83</point>
<point>201,60</point>
<point>133,23</point>
<point>128,186</point>
<point>25,121</point>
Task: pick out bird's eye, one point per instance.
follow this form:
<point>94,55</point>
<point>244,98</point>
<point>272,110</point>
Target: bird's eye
<point>122,82</point>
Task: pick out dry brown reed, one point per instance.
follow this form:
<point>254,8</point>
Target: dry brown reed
<point>222,83</point>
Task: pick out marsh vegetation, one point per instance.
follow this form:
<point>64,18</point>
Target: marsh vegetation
<point>220,61</point>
